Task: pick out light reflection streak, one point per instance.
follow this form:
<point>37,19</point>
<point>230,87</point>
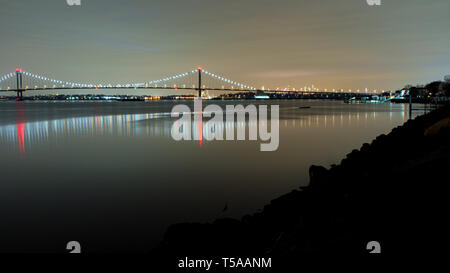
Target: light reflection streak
<point>24,134</point>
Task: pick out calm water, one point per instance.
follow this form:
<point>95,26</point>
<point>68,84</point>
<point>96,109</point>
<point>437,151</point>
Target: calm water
<point>109,175</point>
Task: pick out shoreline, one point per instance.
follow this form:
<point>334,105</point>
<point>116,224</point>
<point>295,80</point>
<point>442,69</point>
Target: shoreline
<point>387,191</point>
<point>347,97</point>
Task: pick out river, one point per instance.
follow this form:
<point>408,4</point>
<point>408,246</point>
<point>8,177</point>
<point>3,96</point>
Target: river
<point>109,174</point>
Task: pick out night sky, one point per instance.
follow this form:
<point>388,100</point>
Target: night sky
<point>275,43</point>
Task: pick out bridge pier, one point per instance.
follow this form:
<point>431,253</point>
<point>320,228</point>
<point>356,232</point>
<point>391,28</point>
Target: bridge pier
<point>199,81</point>
<point>19,74</point>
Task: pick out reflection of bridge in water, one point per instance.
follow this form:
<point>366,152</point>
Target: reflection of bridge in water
<point>26,134</point>
<point>129,125</point>
<point>111,125</point>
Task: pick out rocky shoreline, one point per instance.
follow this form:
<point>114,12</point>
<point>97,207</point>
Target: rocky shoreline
<point>389,191</point>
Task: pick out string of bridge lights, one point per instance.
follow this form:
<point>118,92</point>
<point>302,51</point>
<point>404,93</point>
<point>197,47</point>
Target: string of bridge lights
<point>88,85</point>
<point>7,77</point>
<point>142,84</point>
<point>228,80</point>
<point>176,77</point>
<point>156,83</point>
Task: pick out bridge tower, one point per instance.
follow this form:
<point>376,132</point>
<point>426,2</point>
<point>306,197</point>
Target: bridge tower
<point>19,74</point>
<point>199,81</point>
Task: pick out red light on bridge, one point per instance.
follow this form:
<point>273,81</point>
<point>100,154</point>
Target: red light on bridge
<point>199,68</point>
<point>19,70</point>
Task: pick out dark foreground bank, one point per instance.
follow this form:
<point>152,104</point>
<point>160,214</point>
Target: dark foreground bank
<point>390,191</point>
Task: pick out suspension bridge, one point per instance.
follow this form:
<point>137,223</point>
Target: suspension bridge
<point>197,80</point>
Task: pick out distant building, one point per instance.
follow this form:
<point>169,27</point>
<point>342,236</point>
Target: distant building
<point>419,92</point>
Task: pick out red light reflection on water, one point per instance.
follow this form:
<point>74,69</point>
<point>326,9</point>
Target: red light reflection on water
<point>21,137</point>
<point>97,123</point>
<point>20,113</point>
<point>198,118</point>
<point>200,130</point>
